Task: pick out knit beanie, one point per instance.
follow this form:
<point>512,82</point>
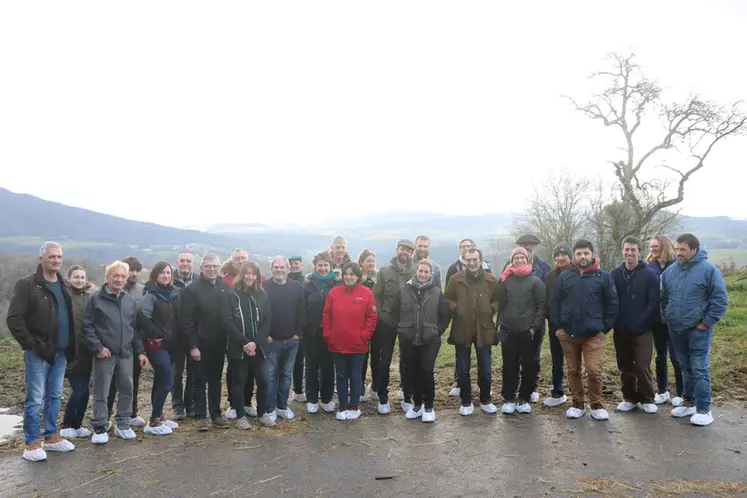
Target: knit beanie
<point>562,248</point>
<point>519,250</point>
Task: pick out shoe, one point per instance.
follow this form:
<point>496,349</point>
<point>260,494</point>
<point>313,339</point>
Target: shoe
<point>34,452</point>
<point>552,401</point>
<point>178,414</point>
<point>191,414</point>
<point>203,425</point>
<point>649,407</point>
<point>406,407</point>
<point>370,392</point>
<point>157,428</point>
<point>329,407</point>
<point>414,413</point>
<point>599,413</point>
<point>490,408</point>
<point>342,415</point>
<point>69,433</point>
<point>266,421</point>
<point>702,419</point>
<point>455,392</point>
<point>312,407</point>
<point>56,443</point>
<point>662,398</point>
<point>286,414</point>
<point>137,422</point>
<point>575,412</point>
<point>401,395</point>
<point>677,401</point>
<point>626,406</point>
<point>299,397</point>
<point>230,414</point>
<point>83,432</point>
<point>684,411</point>
<point>385,408</point>
<point>429,416</point>
<point>353,414</point>
<point>467,410</point>
<point>168,423</point>
<point>272,416</point>
<point>250,411</point>
<point>100,436</point>
<point>508,408</point>
<point>124,433</point>
<point>534,397</point>
<point>220,422</point>
<point>243,424</point>
<point>363,397</point>
<point>523,407</point>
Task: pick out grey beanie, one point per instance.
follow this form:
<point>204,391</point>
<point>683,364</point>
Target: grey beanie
<point>562,248</point>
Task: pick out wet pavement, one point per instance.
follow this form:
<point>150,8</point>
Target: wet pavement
<point>542,454</point>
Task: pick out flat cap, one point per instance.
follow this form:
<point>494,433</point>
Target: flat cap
<point>528,239</point>
<point>406,243</point>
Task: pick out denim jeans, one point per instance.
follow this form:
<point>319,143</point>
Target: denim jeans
<point>77,403</point>
<point>43,390</point>
<point>163,380</point>
<point>281,358</point>
<point>298,369</point>
<point>348,368</point>
<point>693,347</point>
<point>208,373</point>
<point>663,344</point>
<point>484,373</point>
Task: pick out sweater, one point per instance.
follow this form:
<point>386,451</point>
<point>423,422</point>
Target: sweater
<point>288,308</point>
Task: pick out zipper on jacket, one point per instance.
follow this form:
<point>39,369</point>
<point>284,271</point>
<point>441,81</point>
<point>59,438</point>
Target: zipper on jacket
<point>243,324</point>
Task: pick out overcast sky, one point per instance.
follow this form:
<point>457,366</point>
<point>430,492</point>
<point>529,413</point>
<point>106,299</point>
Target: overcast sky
<point>187,113</point>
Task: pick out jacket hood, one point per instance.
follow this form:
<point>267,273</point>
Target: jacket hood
<point>592,267</point>
<point>151,288</point>
<point>87,289</point>
<point>641,264</point>
<point>701,255</point>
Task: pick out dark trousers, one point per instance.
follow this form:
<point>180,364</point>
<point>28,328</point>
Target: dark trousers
<point>388,338</point>
<point>208,373</point>
<point>163,380</point>
<point>182,394</point>
<point>421,361</point>
<point>518,352</point>
<point>298,369</point>
<point>77,403</point>
<point>663,344</point>
<point>242,368</point>
<point>556,352</point>
<point>320,369</point>
<point>375,356</point>
<point>248,386</point>
<point>348,369</point>
<point>484,373</point>
<point>135,388</point>
<point>634,362</point>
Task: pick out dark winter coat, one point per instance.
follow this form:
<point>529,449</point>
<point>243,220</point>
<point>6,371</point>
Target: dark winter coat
<point>158,314</point>
<point>109,322</point>
<point>391,278</point>
<point>421,312</point>
<point>200,322</point>
<point>654,265</point>
<point>472,301</point>
<point>522,303</point>
<point>315,295</point>
<point>247,317</point>
<point>82,363</point>
<point>637,297</point>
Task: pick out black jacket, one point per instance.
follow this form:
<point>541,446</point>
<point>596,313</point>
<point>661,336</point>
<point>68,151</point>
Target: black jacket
<point>82,363</point>
<point>200,322</point>
<point>109,321</point>
<point>522,303</point>
<point>247,318</point>
<point>638,294</point>
<point>158,313</point>
<point>421,313</point>
<point>315,297</point>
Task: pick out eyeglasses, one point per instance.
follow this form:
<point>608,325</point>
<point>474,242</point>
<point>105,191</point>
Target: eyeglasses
<point>211,267</point>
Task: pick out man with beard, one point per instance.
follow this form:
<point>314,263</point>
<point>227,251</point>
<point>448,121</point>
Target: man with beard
<point>562,255</point>
<point>391,278</point>
<point>422,251</point>
<point>339,252</point>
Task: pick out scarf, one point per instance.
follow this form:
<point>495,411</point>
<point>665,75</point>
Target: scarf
<point>521,271</point>
<point>323,281</point>
<point>420,285</point>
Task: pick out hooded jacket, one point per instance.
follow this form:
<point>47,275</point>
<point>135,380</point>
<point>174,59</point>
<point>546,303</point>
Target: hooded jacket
<point>315,295</point>
<point>421,312</point>
<point>349,319</point>
<point>692,293</point>
<point>158,314</point>
<point>246,318</point>
<point>391,278</point>
<point>109,322</point>
<point>637,297</point>
<point>522,303</point>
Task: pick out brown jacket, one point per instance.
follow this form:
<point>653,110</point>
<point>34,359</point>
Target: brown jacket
<point>473,303</point>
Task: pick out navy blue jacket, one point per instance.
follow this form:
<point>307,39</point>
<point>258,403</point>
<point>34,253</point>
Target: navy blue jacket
<point>638,299</point>
<point>654,265</point>
<point>584,304</point>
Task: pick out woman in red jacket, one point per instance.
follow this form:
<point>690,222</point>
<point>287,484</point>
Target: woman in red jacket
<point>348,322</point>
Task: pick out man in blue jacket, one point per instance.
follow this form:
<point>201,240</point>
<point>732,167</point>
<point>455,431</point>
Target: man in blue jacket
<point>584,308</point>
<point>637,288</point>
<point>693,299</point>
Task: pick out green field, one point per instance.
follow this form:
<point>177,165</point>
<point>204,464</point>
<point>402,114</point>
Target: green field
<point>720,256</point>
<point>38,241</point>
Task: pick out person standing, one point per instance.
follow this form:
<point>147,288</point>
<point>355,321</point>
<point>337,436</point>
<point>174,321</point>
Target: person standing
<point>296,273</point>
<point>584,308</point>
<point>348,322</point>
<point>637,288</point>
<point>296,270</point>
<point>182,394</point>
<point>228,272</point>
<point>422,252</point>
<point>661,256</point>
<point>693,300</point>
<point>367,262</point>
<point>562,255</point>
<point>40,318</point>
<point>472,297</point>
<point>339,252</point>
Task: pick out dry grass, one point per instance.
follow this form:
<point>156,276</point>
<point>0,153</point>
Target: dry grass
<point>608,486</point>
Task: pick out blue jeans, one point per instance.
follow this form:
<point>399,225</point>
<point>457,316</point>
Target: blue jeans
<point>43,387</point>
<point>281,358</point>
<point>349,368</point>
<point>693,347</point>
<point>484,373</point>
<point>77,403</point>
<point>163,380</point>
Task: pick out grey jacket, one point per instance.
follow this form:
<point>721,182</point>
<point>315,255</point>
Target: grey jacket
<point>135,291</point>
<point>522,303</point>
<point>109,321</point>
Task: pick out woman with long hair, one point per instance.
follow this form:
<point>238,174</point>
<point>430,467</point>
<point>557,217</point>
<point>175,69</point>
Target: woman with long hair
<point>367,262</point>
<point>348,322</point>
<point>156,319</point>
<point>246,316</point>
<point>660,257</point>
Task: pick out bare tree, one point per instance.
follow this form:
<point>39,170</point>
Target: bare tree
<point>692,129</point>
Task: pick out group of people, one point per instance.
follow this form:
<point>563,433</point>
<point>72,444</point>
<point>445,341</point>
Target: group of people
<point>321,331</point>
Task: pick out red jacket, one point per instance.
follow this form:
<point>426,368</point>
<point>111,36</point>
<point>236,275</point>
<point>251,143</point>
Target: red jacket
<point>349,319</point>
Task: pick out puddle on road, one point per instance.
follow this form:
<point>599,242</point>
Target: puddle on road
<point>9,424</point>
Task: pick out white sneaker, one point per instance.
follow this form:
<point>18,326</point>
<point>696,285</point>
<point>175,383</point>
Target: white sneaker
<point>102,438</point>
<point>230,414</point>
<point>272,416</point>
<point>524,408</point>
<point>370,392</point>
<point>490,408</point>
<point>159,430</point>
<point>69,433</point>
<point>684,411</point>
<point>702,419</point>
<point>401,395</point>
<point>406,407</point>
<point>299,397</point>
<point>455,392</point>
<point>678,401</point>
<point>385,408</point>
<point>649,407</point>
<point>137,422</point>
<point>36,455</point>
<point>250,411</point>
<point>626,406</point>
<point>429,416</point>
<point>552,402</point>
<point>343,415</point>
<point>63,446</point>
<point>600,414</point>
<point>312,407</point>
<point>662,398</point>
<point>124,434</point>
<point>574,412</point>
<point>83,432</point>
<point>170,424</point>
<point>467,410</point>
<point>286,414</point>
<point>353,414</point>
<point>412,414</point>
<point>328,407</point>
<point>534,397</point>
<point>266,421</point>
<point>508,408</point>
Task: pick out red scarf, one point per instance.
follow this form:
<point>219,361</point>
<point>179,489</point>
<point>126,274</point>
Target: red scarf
<point>521,271</point>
